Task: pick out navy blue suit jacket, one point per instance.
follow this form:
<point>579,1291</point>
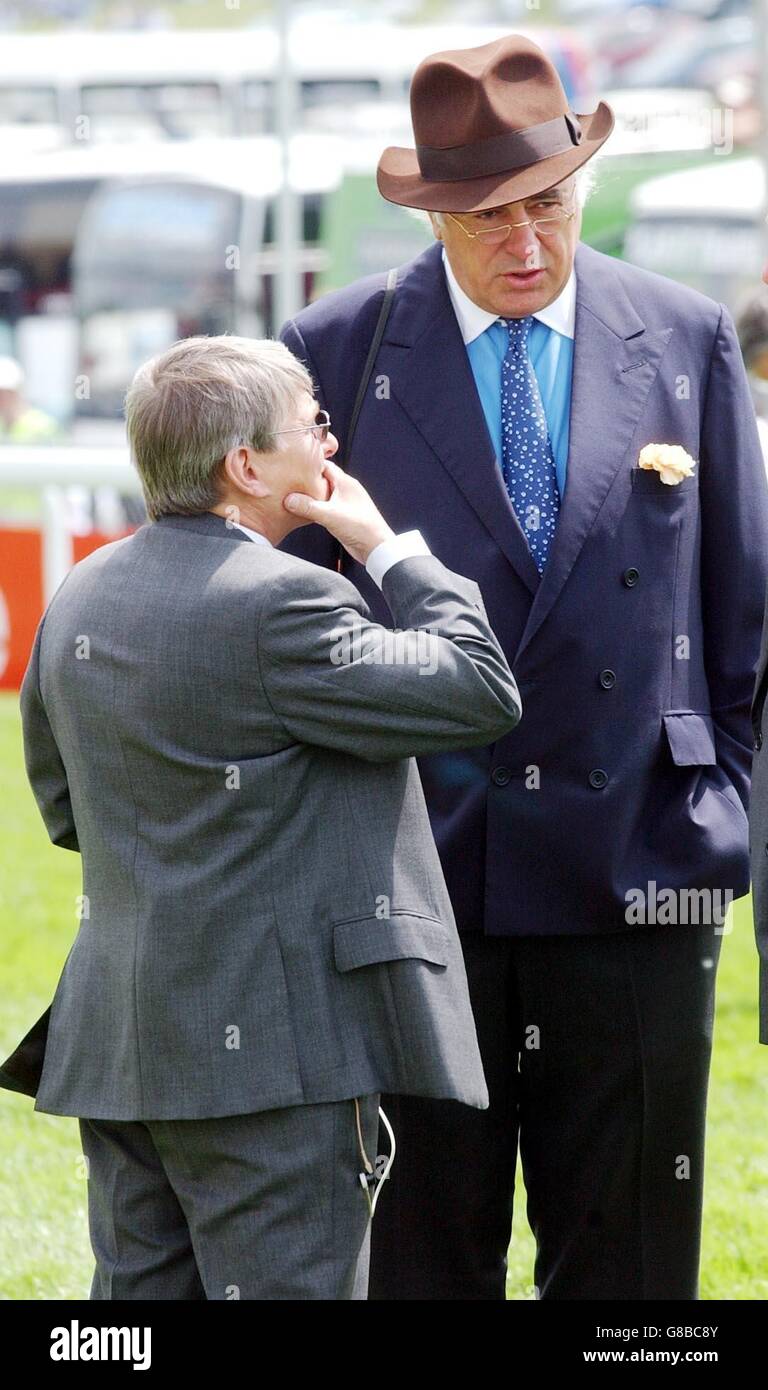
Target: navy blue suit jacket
<point>635,653</point>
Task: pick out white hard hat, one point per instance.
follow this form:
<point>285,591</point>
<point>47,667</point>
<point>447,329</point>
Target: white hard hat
<point>11,374</point>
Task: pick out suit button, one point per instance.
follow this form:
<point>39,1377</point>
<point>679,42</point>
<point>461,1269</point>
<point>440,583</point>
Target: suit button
<point>598,778</point>
<point>758,742</point>
<point>501,775</point>
<point>630,577</point>
<point>607,679</point>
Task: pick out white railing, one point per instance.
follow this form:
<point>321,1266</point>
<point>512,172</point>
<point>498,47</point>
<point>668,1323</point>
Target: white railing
<point>50,469</point>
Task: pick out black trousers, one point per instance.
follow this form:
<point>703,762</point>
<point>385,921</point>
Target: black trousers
<point>596,1052</point>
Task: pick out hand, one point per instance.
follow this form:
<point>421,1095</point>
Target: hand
<point>349,513</point>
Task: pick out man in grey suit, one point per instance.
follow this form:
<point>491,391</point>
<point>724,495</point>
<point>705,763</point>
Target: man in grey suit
<point>266,939</point>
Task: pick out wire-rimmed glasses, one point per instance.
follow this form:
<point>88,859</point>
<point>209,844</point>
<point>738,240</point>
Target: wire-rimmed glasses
<point>543,226</point>
<point>320,428</point>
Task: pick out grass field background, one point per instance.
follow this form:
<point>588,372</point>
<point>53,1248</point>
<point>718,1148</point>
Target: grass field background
<point>44,1248</point>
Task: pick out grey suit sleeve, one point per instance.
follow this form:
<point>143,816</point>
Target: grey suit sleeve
<point>335,678</point>
<point>45,769</point>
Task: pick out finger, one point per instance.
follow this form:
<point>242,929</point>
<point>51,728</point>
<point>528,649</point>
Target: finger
<point>302,505</point>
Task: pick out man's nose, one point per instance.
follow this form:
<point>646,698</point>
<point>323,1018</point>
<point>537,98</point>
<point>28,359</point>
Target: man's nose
<point>330,445</point>
<point>522,241</point>
<point>765,274</point>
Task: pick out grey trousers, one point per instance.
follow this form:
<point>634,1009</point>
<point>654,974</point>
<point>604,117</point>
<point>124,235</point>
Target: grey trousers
<point>261,1206</point>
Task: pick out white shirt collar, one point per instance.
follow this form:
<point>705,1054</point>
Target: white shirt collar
<point>560,314</point>
<point>254,535</point>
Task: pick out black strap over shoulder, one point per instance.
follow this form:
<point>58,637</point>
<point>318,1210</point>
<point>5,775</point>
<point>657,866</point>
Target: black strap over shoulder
<point>758,702</point>
<point>381,324</point>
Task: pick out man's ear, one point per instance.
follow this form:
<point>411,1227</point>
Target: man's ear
<point>436,228</point>
<point>238,471</point>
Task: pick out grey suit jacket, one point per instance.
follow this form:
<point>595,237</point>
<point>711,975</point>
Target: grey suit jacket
<point>228,740</point>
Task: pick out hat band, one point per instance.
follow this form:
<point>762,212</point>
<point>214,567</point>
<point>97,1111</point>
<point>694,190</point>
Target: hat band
<point>499,153</point>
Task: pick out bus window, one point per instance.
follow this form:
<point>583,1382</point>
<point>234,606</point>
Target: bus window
<point>338,91</point>
<point>719,256</point>
<point>167,110</point>
<point>311,224</point>
<point>316,95</point>
<point>28,105</point>
<point>702,226</point>
<point>38,223</point>
<point>153,262</point>
<point>258,117</point>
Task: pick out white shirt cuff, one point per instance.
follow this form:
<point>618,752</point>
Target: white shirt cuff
<point>401,547</point>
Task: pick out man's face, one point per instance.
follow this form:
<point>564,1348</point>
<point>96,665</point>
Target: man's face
<point>527,270</point>
<point>297,463</point>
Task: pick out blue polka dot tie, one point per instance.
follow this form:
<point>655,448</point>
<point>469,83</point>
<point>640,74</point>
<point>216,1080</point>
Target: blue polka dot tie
<point>527,462</point>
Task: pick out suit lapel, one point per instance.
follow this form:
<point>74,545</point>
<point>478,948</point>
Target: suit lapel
<point>615,362</point>
<point>614,366</point>
<point>433,382</point>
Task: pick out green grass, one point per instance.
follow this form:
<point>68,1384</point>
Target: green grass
<point>20,506</point>
<point>44,1249</point>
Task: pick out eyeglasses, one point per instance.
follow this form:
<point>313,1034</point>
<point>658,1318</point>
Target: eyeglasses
<point>319,429</point>
<point>543,226</point>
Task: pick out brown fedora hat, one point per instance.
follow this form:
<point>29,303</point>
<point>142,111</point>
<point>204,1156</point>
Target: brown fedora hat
<point>492,125</point>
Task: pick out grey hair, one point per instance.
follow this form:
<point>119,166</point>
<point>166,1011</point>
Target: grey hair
<point>584,180</point>
<point>187,407</point>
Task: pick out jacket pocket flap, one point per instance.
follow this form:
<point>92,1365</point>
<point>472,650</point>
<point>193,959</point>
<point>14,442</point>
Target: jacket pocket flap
<point>648,480</point>
<point>403,936</point>
<point>691,738</point>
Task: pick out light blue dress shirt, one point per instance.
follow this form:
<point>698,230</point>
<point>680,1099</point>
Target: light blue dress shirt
<point>551,351</point>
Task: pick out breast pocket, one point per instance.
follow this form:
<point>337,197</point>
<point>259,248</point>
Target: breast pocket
<point>647,484</point>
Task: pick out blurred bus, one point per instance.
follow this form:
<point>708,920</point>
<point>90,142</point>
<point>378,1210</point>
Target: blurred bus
<point>63,87</point>
<point>110,253</point>
<point>703,227</point>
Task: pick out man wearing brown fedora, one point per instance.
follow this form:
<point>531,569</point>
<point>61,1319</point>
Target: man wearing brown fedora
<point>577,436</point>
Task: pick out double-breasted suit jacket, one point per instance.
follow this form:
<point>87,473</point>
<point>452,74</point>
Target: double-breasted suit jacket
<point>635,652</point>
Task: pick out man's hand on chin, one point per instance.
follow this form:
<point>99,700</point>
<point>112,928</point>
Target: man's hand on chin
<point>348,512</point>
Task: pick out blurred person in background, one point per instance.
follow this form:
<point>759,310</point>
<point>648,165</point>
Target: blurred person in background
<point>87,509</point>
<point>21,423</point>
<point>752,328</point>
<point>578,435</point>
